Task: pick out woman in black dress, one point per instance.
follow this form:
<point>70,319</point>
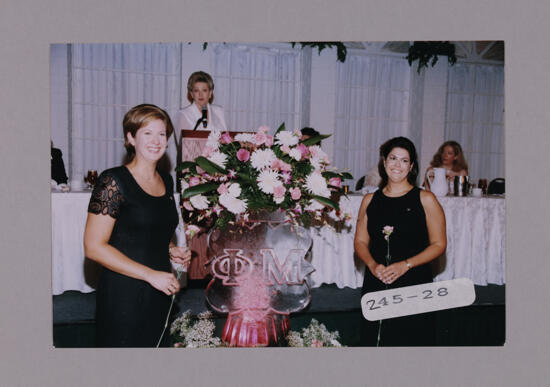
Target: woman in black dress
<point>131,220</point>
<point>417,238</point>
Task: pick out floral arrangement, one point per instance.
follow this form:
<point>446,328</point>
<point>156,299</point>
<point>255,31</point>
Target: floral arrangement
<point>252,172</point>
<point>314,335</point>
<point>198,334</point>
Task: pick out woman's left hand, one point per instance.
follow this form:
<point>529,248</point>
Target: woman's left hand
<point>180,255</point>
<point>393,272</point>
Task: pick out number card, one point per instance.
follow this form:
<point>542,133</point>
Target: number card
<point>418,299</point>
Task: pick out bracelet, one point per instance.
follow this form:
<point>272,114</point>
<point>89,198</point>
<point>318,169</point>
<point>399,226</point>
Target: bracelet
<point>409,266</point>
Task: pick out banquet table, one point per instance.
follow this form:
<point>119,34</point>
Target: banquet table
<point>475,244</point>
<point>70,269</point>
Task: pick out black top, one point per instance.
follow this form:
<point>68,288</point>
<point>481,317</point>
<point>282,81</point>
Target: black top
<point>409,237</point>
<point>130,312</point>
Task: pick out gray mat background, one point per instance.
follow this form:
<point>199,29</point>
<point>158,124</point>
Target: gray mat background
<point>27,27</point>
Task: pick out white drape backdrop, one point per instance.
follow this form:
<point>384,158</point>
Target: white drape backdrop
<point>258,85</point>
<point>372,105</point>
<point>255,85</point>
<point>475,117</point>
<point>106,81</point>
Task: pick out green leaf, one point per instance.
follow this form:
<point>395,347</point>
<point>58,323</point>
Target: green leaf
<point>185,165</point>
<point>316,139</point>
<point>330,174</point>
<point>347,176</point>
<point>326,202</point>
<point>246,177</point>
<point>208,166</point>
<point>199,189</point>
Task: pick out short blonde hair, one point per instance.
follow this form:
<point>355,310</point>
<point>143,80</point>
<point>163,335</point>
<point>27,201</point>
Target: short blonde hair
<point>200,76</point>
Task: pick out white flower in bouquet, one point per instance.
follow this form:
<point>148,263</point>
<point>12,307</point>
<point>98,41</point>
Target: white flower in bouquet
<point>230,199</point>
<point>262,158</point>
<point>213,140</point>
<point>218,158</point>
<point>245,137</point>
<point>268,180</point>
<point>199,202</point>
<point>314,205</point>
<point>286,138</point>
<point>296,154</point>
<point>317,184</point>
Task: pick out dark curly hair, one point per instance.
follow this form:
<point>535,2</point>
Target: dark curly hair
<point>386,148</point>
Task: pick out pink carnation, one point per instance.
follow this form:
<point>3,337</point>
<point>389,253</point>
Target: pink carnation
<point>268,140</point>
<point>279,191</point>
<point>260,138</point>
<point>207,151</point>
<point>226,138</point>
<point>295,193</point>
<point>243,155</point>
<point>335,182</point>
<point>223,188</point>
<point>285,148</point>
<point>194,181</point>
<point>303,149</point>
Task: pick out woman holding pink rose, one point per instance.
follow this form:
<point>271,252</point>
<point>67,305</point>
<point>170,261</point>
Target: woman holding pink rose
<point>400,229</point>
<point>132,217</point>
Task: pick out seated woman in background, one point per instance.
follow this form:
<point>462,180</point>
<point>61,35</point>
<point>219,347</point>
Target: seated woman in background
<point>200,114</point>
<point>448,156</point>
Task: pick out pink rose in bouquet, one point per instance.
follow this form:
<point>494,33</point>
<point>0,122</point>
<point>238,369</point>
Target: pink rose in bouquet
<point>243,155</point>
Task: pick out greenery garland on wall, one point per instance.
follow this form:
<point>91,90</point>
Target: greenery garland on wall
<point>426,51</point>
<point>341,50</point>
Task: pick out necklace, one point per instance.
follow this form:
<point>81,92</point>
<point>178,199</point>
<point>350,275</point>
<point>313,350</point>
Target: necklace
<point>396,193</point>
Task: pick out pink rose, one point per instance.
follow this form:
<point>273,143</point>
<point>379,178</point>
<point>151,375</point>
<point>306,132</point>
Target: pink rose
<point>243,155</point>
<point>279,191</point>
<point>295,193</point>
<point>226,138</point>
<point>188,206</point>
<point>268,140</point>
<point>335,182</point>
<point>223,188</point>
<point>194,181</point>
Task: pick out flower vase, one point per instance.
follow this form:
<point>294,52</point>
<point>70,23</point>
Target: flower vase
<point>259,278</point>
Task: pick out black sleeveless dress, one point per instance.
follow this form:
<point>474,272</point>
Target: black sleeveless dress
<point>130,312</point>
<point>410,237</point>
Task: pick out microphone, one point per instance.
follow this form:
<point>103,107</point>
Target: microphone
<point>204,111</point>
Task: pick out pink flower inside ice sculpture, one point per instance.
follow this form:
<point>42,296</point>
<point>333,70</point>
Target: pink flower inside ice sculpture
<point>259,278</point>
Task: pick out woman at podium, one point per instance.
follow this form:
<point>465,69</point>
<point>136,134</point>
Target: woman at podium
<point>200,114</point>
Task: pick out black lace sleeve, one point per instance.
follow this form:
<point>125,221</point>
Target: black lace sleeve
<point>106,197</point>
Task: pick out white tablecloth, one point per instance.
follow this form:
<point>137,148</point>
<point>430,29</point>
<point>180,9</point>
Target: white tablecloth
<point>70,270</point>
<point>475,244</point>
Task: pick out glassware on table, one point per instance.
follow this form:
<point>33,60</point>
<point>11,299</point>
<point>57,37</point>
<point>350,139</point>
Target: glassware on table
<point>483,185</point>
<point>91,178</point>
